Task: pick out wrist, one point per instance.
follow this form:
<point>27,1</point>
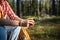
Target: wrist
<point>20,23</point>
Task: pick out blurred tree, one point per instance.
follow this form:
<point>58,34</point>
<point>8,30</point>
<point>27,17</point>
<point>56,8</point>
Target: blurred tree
<point>23,8</point>
<point>28,7</point>
<point>19,8</point>
<point>47,5</point>
<point>34,6</point>
<point>54,10</point>
<point>59,8</point>
<point>42,10</point>
<point>50,7</point>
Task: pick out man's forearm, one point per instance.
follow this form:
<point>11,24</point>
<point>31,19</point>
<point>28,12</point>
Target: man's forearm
<point>9,22</point>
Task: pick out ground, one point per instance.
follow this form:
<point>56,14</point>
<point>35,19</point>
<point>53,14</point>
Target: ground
<point>48,29</point>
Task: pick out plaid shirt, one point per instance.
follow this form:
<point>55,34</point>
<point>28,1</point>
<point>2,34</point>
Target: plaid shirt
<point>6,10</point>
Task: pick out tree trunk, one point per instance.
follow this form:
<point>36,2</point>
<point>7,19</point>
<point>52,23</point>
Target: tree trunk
<point>19,8</point>
<point>53,8</point>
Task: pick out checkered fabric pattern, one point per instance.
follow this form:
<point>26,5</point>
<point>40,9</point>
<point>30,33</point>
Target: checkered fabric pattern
<point>6,10</point>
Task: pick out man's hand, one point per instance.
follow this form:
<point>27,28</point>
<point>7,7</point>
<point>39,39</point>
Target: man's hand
<point>30,23</point>
<point>27,23</point>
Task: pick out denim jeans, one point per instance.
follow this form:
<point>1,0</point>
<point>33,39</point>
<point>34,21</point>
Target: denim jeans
<point>12,31</point>
<point>3,33</point>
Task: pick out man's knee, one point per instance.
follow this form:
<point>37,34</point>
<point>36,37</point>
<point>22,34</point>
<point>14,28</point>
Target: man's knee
<point>14,33</point>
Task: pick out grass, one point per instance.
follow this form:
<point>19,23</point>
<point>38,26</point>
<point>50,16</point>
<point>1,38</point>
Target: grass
<point>45,29</point>
<point>44,32</point>
<point>48,29</point>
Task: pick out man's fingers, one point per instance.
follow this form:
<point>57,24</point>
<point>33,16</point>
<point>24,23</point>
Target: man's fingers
<point>30,21</point>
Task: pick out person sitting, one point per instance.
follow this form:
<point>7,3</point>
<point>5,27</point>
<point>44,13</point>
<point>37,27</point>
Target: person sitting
<point>11,25</point>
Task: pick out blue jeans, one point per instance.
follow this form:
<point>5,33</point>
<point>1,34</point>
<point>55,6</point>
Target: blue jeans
<point>3,33</point>
<point>14,32</point>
